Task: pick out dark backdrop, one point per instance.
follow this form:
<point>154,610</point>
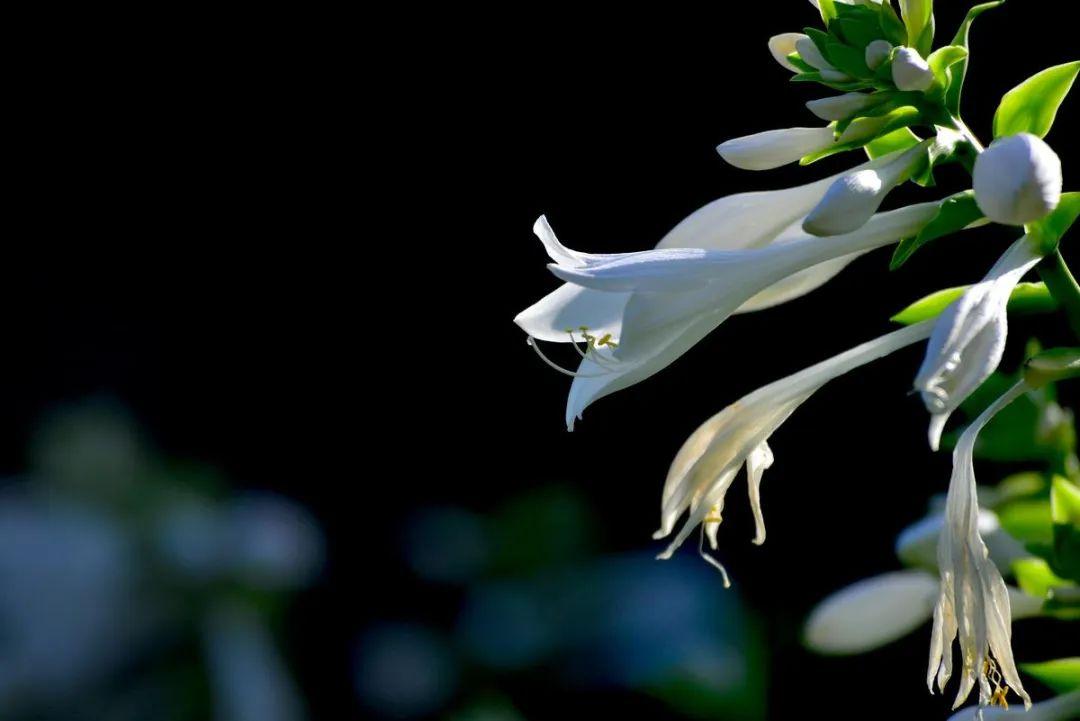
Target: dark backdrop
<point>308,277</point>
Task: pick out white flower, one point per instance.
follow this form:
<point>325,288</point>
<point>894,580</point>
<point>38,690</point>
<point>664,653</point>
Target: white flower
<point>1017,179</point>
<point>711,457</point>
<point>910,71</point>
<point>673,297</point>
<point>810,54</point>
<point>839,106</point>
<point>773,148</point>
<point>1063,708</point>
<point>877,52</point>
<point>917,544</point>
<point>872,612</point>
<point>783,45</point>
<point>877,611</point>
<point>856,196</point>
<point>969,337</point>
<point>974,606</point>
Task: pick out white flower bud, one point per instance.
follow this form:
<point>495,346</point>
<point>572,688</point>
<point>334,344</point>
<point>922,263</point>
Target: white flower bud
<point>1017,180</point>
<point>877,52</point>
<point>810,54</point>
<point>783,45</point>
<point>773,148</point>
<point>839,107</point>
<point>910,71</point>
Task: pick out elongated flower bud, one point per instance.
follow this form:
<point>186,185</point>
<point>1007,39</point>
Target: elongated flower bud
<point>853,199</point>
<point>910,71</point>
<point>783,45</point>
<point>773,148</point>
<point>810,54</point>
<point>877,52</point>
<point>840,106</point>
<point>1017,180</point>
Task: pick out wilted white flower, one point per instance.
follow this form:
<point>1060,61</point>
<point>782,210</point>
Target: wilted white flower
<point>877,52</point>
<point>969,337</point>
<point>672,297</point>
<point>1063,708</point>
<point>711,457</point>
<point>839,106</point>
<point>853,198</point>
<point>910,71</point>
<point>773,148</point>
<point>877,611</point>
<point>917,544</point>
<point>1017,179</point>
<point>974,606</point>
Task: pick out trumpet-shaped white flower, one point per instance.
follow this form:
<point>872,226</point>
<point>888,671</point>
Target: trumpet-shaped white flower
<point>783,45</point>
<point>676,296</point>
<point>1063,708</point>
<point>856,196</point>
<point>969,337</point>
<point>877,52</point>
<point>910,71</point>
<point>974,606</point>
<point>877,611</point>
<point>774,148</point>
<point>1017,179</point>
<point>840,106</point>
<point>918,543</point>
<point>709,460</point>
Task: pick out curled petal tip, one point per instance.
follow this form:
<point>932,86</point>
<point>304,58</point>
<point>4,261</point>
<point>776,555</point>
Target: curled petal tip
<point>937,425</point>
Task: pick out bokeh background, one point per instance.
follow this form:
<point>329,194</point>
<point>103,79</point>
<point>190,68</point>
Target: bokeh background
<point>258,465</point>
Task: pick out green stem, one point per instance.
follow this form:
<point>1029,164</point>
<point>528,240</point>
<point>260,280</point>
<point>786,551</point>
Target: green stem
<point>1062,285</point>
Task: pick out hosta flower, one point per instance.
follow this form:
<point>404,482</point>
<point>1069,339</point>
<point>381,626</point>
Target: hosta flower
<point>840,106</point>
<point>877,611</point>
<point>706,465</point>
<point>918,543</point>
<point>1017,179</point>
<point>673,297</point>
<point>974,606</point>
<point>773,148</point>
<point>854,197</point>
<point>910,71</point>
<point>1063,708</point>
<point>969,337</point>
<point>783,45</point>
<point>877,52</point>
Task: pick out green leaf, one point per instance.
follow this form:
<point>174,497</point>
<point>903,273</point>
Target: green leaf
<point>1064,502</point>
<point>1061,675</point>
<point>857,33</point>
<point>1025,298</point>
<point>959,71</point>
<point>1032,105</point>
<point>1050,366</point>
<point>1049,230</point>
<point>848,59</point>
<point>943,58</point>
<point>901,139</point>
<point>1028,521</point>
<point>954,213</point>
<point>892,27</point>
<point>1065,512</point>
<point>919,20</point>
<point>1035,577</point>
<point>828,11</point>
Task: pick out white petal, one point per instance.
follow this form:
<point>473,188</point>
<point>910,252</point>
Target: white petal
<point>759,460</point>
<point>840,106</point>
<point>570,307</point>
<point>774,148</point>
<point>1017,180</point>
<point>783,45</point>
<point>910,71</point>
<point>872,613</point>
<point>877,52</point>
<point>810,54</point>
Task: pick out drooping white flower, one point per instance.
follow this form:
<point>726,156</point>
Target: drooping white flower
<point>840,106</point>
<point>783,45</point>
<point>1017,179</point>
<point>877,611</point>
<point>910,71</point>
<point>856,196</point>
<point>774,148</point>
<point>918,543</point>
<point>969,337</point>
<point>877,52</point>
<point>676,296</point>
<point>1063,708</point>
<point>709,460</point>
<point>974,607</point>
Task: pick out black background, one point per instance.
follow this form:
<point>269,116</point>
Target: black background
<point>302,266</point>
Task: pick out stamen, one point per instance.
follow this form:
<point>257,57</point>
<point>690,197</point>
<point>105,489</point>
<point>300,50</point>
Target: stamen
<point>712,561</point>
<point>592,354</point>
<point>573,374</point>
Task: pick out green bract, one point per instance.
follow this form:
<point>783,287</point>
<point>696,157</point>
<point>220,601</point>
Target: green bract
<point>1025,298</point>
<point>1032,105</point>
<point>956,213</point>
